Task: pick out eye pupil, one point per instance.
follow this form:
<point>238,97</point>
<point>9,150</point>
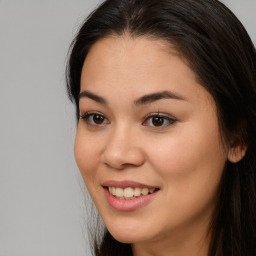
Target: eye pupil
<point>98,119</point>
<point>157,121</point>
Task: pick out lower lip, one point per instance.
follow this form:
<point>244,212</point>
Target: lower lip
<point>128,205</point>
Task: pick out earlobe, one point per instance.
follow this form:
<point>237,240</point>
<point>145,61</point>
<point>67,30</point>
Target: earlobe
<point>237,152</point>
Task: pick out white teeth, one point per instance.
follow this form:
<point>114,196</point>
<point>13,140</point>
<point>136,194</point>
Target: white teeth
<point>145,191</point>
<point>119,192</point>
<point>151,190</point>
<point>130,193</point>
<point>113,191</point>
<point>137,192</point>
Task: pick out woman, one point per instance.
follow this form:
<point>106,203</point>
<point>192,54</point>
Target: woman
<point>165,93</point>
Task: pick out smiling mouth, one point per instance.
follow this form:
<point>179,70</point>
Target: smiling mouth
<point>129,192</point>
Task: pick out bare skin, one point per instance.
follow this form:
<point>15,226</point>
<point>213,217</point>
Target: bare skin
<point>171,142</point>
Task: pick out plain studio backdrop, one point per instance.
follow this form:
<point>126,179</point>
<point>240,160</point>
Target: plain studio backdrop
<point>42,201</point>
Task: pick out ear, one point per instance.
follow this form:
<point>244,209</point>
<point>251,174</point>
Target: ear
<point>237,152</point>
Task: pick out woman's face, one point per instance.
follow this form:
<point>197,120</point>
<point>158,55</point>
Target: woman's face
<point>148,133</point>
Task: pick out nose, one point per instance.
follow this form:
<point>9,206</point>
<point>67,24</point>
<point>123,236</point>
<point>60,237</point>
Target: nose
<point>123,149</point>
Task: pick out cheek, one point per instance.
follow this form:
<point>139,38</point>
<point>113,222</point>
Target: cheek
<point>86,152</point>
<point>193,147</point>
<point>191,164</point>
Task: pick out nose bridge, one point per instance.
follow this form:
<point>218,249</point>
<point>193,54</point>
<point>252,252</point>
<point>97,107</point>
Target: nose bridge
<point>122,148</point>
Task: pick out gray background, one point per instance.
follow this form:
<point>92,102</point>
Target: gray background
<point>42,202</point>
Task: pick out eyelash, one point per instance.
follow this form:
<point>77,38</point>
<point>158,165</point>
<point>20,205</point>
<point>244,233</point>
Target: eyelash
<point>86,117</point>
<point>164,119</point>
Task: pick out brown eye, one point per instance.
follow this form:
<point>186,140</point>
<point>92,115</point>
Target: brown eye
<point>98,119</point>
<point>158,121</point>
<point>94,119</point>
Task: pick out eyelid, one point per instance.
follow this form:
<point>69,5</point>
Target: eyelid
<point>87,113</point>
<point>85,116</point>
<point>168,117</point>
<point>158,113</point>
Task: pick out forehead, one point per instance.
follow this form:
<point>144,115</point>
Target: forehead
<point>139,65</point>
<point>127,47</point>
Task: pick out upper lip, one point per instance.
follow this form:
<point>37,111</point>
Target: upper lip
<point>126,184</point>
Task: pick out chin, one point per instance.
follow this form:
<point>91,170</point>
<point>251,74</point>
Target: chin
<point>127,239</point>
<point>125,236</point>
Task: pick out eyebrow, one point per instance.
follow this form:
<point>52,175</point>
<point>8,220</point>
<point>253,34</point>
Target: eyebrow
<point>146,99</point>
<point>149,98</point>
<point>92,96</point>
